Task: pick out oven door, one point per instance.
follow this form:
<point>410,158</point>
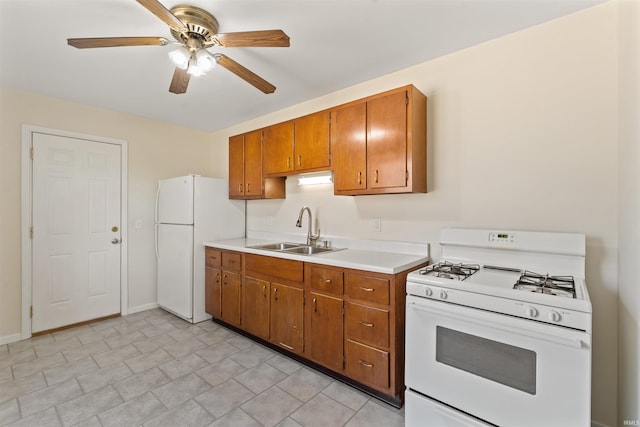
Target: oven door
<point>501,369</point>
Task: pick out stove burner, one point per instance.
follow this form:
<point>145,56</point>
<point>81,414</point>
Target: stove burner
<point>551,285</point>
<point>449,270</point>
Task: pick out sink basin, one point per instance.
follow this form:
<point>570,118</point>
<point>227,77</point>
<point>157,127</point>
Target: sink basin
<point>308,250</point>
<point>294,248</point>
<point>276,246</point>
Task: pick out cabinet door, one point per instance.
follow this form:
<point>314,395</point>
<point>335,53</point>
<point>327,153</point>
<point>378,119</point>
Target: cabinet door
<point>349,147</point>
<point>255,307</point>
<point>278,148</point>
<point>253,163</point>
<point>230,311</point>
<point>326,331</point>
<point>212,292</point>
<point>236,166</point>
<point>387,141</point>
<point>311,141</point>
<point>287,308</point>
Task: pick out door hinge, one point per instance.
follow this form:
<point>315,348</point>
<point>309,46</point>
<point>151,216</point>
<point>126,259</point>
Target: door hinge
<point>31,312</point>
<point>31,232</point>
<point>31,153</point>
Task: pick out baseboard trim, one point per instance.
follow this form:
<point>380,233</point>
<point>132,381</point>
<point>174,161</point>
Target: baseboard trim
<point>8,339</point>
<point>143,307</point>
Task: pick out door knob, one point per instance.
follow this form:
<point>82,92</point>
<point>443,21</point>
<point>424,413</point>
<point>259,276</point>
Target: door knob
<point>115,241</point>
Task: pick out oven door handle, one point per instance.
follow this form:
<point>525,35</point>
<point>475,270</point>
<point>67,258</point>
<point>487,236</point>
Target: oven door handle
<point>556,335</point>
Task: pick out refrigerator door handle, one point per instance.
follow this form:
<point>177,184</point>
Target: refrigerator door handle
<point>156,242</point>
<point>157,203</point>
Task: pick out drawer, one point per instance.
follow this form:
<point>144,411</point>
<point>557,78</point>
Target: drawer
<point>213,258</point>
<point>275,267</point>
<point>367,288</point>
<point>367,364</point>
<point>231,261</point>
<point>327,280</point>
<point>367,324</point>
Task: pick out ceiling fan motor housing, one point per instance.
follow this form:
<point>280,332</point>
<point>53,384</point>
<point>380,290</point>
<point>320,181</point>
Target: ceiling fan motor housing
<point>201,25</point>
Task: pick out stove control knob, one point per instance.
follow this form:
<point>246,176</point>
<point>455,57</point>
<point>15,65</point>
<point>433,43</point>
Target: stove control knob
<point>428,292</point>
<point>554,316</point>
<point>532,312</point>
<point>443,295</point>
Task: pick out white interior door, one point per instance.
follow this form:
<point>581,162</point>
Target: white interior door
<point>76,236</point>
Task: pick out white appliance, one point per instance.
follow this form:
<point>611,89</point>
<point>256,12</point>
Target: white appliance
<point>191,210</point>
<point>499,332</point>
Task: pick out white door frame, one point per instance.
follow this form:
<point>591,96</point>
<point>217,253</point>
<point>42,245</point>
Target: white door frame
<point>27,217</point>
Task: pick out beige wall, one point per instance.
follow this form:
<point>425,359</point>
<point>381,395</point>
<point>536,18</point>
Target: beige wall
<point>522,134</point>
<point>629,211</point>
<point>155,150</point>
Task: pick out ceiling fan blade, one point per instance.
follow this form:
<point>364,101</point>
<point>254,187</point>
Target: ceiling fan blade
<point>163,13</point>
<point>180,81</point>
<point>244,73</point>
<point>117,41</point>
<point>266,38</point>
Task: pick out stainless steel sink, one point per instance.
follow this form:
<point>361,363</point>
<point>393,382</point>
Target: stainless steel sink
<point>308,250</point>
<point>276,246</point>
<point>294,248</point>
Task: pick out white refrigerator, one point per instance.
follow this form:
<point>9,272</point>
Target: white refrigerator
<point>191,210</point>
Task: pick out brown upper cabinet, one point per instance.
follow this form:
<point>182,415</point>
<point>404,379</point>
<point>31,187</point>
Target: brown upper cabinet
<point>246,177</point>
<point>299,145</point>
<point>378,144</point>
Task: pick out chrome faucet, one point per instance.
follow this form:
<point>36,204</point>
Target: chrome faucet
<point>311,239</point>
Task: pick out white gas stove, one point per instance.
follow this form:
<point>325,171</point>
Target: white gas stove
<point>500,325</point>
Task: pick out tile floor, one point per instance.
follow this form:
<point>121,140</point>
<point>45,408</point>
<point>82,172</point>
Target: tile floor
<point>154,369</point>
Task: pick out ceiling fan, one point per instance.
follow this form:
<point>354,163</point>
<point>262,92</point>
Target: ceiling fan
<point>195,30</point>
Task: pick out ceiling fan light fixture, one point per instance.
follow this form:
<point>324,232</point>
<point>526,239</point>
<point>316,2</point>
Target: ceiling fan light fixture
<point>205,60</point>
<point>194,69</point>
<point>180,57</point>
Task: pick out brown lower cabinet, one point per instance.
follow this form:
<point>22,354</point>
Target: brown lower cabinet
<point>348,322</point>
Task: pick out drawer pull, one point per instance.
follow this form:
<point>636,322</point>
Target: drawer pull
<point>275,294</point>
<point>327,280</point>
<point>285,346</point>
<point>365,364</point>
<point>367,289</point>
<point>368,325</point>
<point>264,291</point>
<point>315,303</point>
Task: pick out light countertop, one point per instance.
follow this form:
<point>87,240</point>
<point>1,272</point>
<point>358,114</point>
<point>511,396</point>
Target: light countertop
<point>376,261</point>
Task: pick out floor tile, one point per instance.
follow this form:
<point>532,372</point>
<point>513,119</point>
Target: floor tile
<point>133,413</point>
<point>260,378</point>
<point>70,370</point>
<point>57,346</point>
<point>346,395</point>
<point>213,337</point>
<point>184,347</point>
<point>16,388</point>
<point>188,413</point>
<point>9,412</point>
<point>88,405</point>
<point>180,390</point>
<point>127,327</point>
<point>85,350</point>
<point>18,346</point>
<point>5,374</point>
<point>216,352</point>
<point>48,397</point>
<point>71,332</point>
<point>185,333</point>
<point>283,363</point>
<point>221,371</point>
<point>288,422</point>
<point>240,342</point>
<point>322,411</point>
<point>304,384</point>
<point>236,418</point>
<point>374,415</point>
<point>271,406</point>
<point>121,340</point>
<point>11,359</point>
<point>155,330</point>
<point>150,344</point>
<point>104,376</point>
<point>99,335</point>
<point>30,367</point>
<point>116,355</point>
<point>252,355</point>
<point>148,360</point>
<point>140,383</point>
<point>91,422</point>
<point>47,418</point>
<point>183,365</point>
<point>224,398</point>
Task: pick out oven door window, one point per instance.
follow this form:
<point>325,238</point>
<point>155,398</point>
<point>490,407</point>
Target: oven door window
<point>503,363</point>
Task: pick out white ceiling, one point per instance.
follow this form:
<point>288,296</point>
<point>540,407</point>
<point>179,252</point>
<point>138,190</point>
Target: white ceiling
<point>334,44</point>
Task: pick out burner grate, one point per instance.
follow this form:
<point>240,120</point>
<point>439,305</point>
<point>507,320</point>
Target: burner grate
<point>449,270</point>
<point>545,284</point>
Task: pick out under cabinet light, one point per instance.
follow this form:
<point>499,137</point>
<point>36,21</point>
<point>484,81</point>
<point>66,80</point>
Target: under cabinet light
<point>315,178</point>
